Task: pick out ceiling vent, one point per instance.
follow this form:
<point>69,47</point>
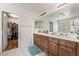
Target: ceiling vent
<point>44,13</point>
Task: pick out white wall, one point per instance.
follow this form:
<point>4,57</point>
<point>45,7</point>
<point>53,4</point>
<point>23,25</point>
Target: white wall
<point>26,18</point>
<point>27,30</point>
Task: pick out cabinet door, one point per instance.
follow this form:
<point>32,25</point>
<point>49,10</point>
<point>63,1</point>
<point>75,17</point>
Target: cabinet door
<point>77,49</point>
<point>66,51</point>
<point>66,48</point>
<point>38,41</point>
<point>44,44</point>
<point>52,48</point>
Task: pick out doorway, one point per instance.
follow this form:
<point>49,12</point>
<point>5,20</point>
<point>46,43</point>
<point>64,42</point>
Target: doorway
<point>9,31</point>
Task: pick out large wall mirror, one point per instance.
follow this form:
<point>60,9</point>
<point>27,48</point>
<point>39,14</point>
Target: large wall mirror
<point>64,26</point>
<point>9,31</point>
<point>39,24</point>
<point>69,25</point>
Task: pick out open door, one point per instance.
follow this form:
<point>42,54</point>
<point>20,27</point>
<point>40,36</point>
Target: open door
<point>9,31</point>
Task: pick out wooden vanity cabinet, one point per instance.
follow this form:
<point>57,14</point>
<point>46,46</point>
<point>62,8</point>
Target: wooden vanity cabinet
<point>66,48</point>
<point>37,40</point>
<point>53,46</point>
<point>44,43</point>
<point>40,41</point>
<point>77,51</point>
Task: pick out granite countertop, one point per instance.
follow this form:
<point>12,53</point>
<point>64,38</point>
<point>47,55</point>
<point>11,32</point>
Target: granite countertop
<point>58,36</point>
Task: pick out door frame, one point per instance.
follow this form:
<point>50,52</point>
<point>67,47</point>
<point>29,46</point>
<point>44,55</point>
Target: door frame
<point>18,29</point>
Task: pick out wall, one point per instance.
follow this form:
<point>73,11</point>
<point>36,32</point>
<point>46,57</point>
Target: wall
<point>26,18</point>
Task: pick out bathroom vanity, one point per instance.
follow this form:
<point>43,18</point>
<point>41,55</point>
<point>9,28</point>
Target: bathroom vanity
<point>55,45</point>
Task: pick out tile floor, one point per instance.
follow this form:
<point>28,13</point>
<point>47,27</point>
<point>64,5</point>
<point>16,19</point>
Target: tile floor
<point>20,52</point>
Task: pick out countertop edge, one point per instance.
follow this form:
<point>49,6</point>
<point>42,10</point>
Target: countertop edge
<point>60,37</point>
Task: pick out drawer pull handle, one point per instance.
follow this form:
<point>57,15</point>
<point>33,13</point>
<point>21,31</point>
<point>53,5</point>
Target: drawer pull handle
<point>66,48</point>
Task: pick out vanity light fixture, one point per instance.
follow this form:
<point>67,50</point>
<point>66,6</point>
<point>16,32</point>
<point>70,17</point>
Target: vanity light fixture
<point>62,14</point>
<point>60,4</point>
<point>43,13</point>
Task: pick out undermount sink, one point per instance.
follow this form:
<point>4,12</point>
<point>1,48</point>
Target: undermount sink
<point>72,36</point>
<point>68,35</point>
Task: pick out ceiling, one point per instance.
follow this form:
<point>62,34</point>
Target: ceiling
<point>37,7</point>
<point>69,10</point>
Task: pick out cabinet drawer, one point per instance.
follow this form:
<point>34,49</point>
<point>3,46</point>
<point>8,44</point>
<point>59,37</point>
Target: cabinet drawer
<point>53,40</point>
<point>66,51</point>
<point>67,43</point>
